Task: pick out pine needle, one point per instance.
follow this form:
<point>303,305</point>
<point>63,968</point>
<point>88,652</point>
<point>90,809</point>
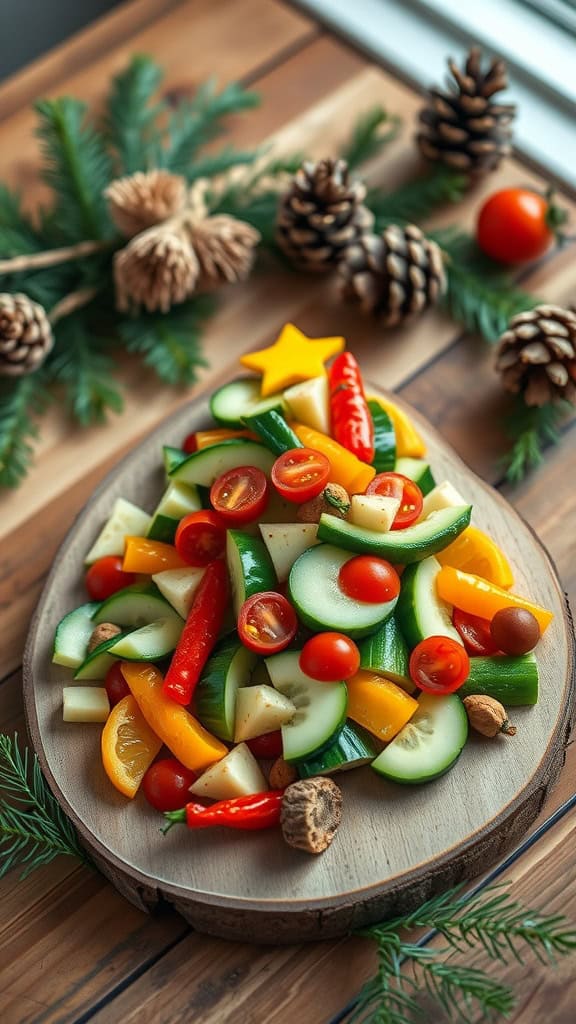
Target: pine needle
<point>223,160</point>
<point>130,118</point>
<point>531,429</point>
<point>372,132</point>
<point>418,199</point>
<point>170,342</point>
<point>85,371</point>
<point>22,400</point>
<point>17,234</point>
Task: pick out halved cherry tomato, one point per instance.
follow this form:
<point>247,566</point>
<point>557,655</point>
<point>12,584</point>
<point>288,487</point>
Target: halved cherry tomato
<point>189,444</point>
<point>330,657</point>
<point>240,495</point>
<point>370,579</point>
<point>116,686</point>
<point>395,485</point>
<point>300,474</point>
<point>267,745</point>
<point>475,633</point>
<point>439,665</point>
<point>106,576</point>
<point>200,537</point>
<point>267,623</point>
<point>166,784</point>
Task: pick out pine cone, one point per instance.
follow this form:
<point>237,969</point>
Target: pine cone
<point>321,214</point>
<point>462,126</point>
<point>25,335</point>
<point>224,248</point>
<point>537,355</point>
<point>157,269</point>
<point>395,275</point>
<point>140,200</point>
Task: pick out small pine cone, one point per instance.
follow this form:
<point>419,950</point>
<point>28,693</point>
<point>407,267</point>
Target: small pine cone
<point>321,214</point>
<point>25,335</point>
<point>225,249</point>
<point>145,198</point>
<point>395,275</point>
<point>462,126</point>
<point>536,356</point>
<point>157,269</point>
<point>311,814</point>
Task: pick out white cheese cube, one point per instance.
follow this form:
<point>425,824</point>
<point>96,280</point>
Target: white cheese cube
<point>374,511</point>
<point>85,704</point>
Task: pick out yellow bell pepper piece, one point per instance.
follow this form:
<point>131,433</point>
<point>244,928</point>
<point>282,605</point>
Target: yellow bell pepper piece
<point>346,469</point>
<point>150,556</point>
<point>379,705</point>
<point>409,443</point>
<point>474,551</point>
<point>185,738</point>
<point>479,597</point>
<point>206,438</point>
<point>293,357</point>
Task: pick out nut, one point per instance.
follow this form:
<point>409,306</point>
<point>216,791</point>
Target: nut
<point>487,715</point>
<point>311,814</point>
<point>334,499</point>
<point>105,631</point>
<point>282,774</point>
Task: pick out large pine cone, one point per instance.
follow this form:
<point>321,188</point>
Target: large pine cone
<point>462,126</point>
<point>321,214</point>
<point>537,355</point>
<point>25,335</point>
<point>395,275</point>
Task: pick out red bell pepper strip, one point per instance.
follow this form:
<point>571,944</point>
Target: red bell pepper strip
<point>260,810</point>
<point>352,424</point>
<point>199,634</point>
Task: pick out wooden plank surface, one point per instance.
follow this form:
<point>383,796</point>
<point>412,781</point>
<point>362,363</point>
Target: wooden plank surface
<point>71,949</point>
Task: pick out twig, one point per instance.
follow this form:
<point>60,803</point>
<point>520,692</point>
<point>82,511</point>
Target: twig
<point>52,257</point>
<point>72,302</point>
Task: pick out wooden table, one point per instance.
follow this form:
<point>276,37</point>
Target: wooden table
<point>71,948</point>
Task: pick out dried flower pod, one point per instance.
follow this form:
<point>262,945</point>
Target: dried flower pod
<point>25,335</point>
<point>311,814</point>
<point>334,499</point>
<point>225,249</point>
<point>157,269</point>
<point>282,774</point>
<point>138,201</point>
<point>105,631</point>
<point>487,715</point>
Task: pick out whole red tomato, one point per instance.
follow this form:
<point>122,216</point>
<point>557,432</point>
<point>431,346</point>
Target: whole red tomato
<point>517,225</point>
<point>106,576</point>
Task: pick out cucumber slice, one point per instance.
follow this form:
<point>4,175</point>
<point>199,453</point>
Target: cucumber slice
<point>232,401</point>
<point>511,680</point>
<point>173,457</point>
<point>135,606</point>
<point>417,470</point>
<point>399,546</point>
<point>150,642</point>
<point>177,501</point>
<point>286,542</point>
<point>126,520</point>
<point>250,567</point>
<point>227,669</point>
<point>384,439</point>
<point>429,744</point>
<point>319,601</point>
<point>352,748</point>
<point>272,428</point>
<point>320,708</point>
<point>97,663</point>
<point>386,653</point>
<point>205,466</point>
<point>72,635</point>
<point>420,611</point>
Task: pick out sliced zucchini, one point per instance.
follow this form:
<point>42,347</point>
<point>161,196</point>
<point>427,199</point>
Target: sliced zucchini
<point>228,668</point>
<point>72,635</point>
<point>135,606</point>
<point>429,744</point>
<point>250,567</point>
<point>286,542</point>
<point>177,501</point>
<point>417,470</point>
<point>126,520</point>
<point>232,401</point>
<point>321,603</point>
<point>384,438</point>
<point>179,586</point>
<point>511,680</point>
<point>320,708</point>
<point>273,430</point>
<point>205,466</point>
<point>97,663</point>
<point>399,546</point>
<point>386,653</point>
<point>237,774</point>
<point>260,709</point>
<point>172,458</point>
<point>352,748</point>
<point>150,642</point>
<point>421,612</point>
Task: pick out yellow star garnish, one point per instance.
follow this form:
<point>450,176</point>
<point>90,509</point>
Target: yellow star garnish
<point>292,358</point>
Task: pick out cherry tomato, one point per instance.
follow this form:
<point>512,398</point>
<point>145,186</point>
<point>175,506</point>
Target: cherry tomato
<point>240,495</point>
<point>267,623</point>
<point>189,446</point>
<point>475,633</point>
<point>300,474</point>
<point>106,576</point>
<point>395,485</point>
<point>516,225</point>
<point>200,537</point>
<point>166,784</point>
<point>370,579</point>
<point>116,686</point>
<point>439,665</point>
<point>330,657</point>
<point>267,745</point>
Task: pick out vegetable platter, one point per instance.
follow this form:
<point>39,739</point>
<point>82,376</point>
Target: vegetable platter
<point>295,643</point>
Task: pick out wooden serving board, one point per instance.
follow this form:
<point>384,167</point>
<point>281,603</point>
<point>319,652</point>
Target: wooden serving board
<point>396,845</point>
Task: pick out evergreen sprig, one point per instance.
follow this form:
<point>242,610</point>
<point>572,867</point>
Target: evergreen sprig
<point>417,199</point>
<point>33,828</point>
<point>531,429</point>
<point>85,371</point>
<point>131,117</point>
<point>197,121</point>
<point>170,345</point>
<point>373,131</point>
<point>21,403</point>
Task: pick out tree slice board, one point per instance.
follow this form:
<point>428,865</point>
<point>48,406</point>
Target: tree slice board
<point>396,846</point>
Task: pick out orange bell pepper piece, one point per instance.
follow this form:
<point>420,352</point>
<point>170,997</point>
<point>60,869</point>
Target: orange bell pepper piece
<point>408,441</point>
<point>346,469</point>
<point>479,597</point>
<point>149,556</point>
<point>185,738</point>
<point>206,438</point>
<point>379,705</point>
<point>474,551</point>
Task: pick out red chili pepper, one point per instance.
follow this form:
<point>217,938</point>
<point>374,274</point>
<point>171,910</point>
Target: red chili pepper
<point>199,634</point>
<point>352,424</point>
<point>261,810</point>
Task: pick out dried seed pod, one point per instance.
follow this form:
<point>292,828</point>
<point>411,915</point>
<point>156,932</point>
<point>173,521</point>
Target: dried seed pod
<point>105,631</point>
<point>488,716</point>
<point>311,814</point>
<point>334,499</point>
<point>282,774</point>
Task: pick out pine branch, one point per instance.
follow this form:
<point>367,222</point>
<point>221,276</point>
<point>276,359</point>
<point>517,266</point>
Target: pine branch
<point>33,828</point>
<point>531,429</point>
<point>21,401</point>
<point>170,342</point>
<point>373,131</point>
<point>130,118</point>
<point>77,167</point>
<point>17,234</point>
<point>223,160</point>
<point>80,365</point>
<point>254,197</point>
<point>418,199</point>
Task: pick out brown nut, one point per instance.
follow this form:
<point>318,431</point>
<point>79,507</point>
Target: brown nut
<point>334,499</point>
<point>105,631</point>
<point>488,716</point>
<point>282,774</point>
<point>311,814</point>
